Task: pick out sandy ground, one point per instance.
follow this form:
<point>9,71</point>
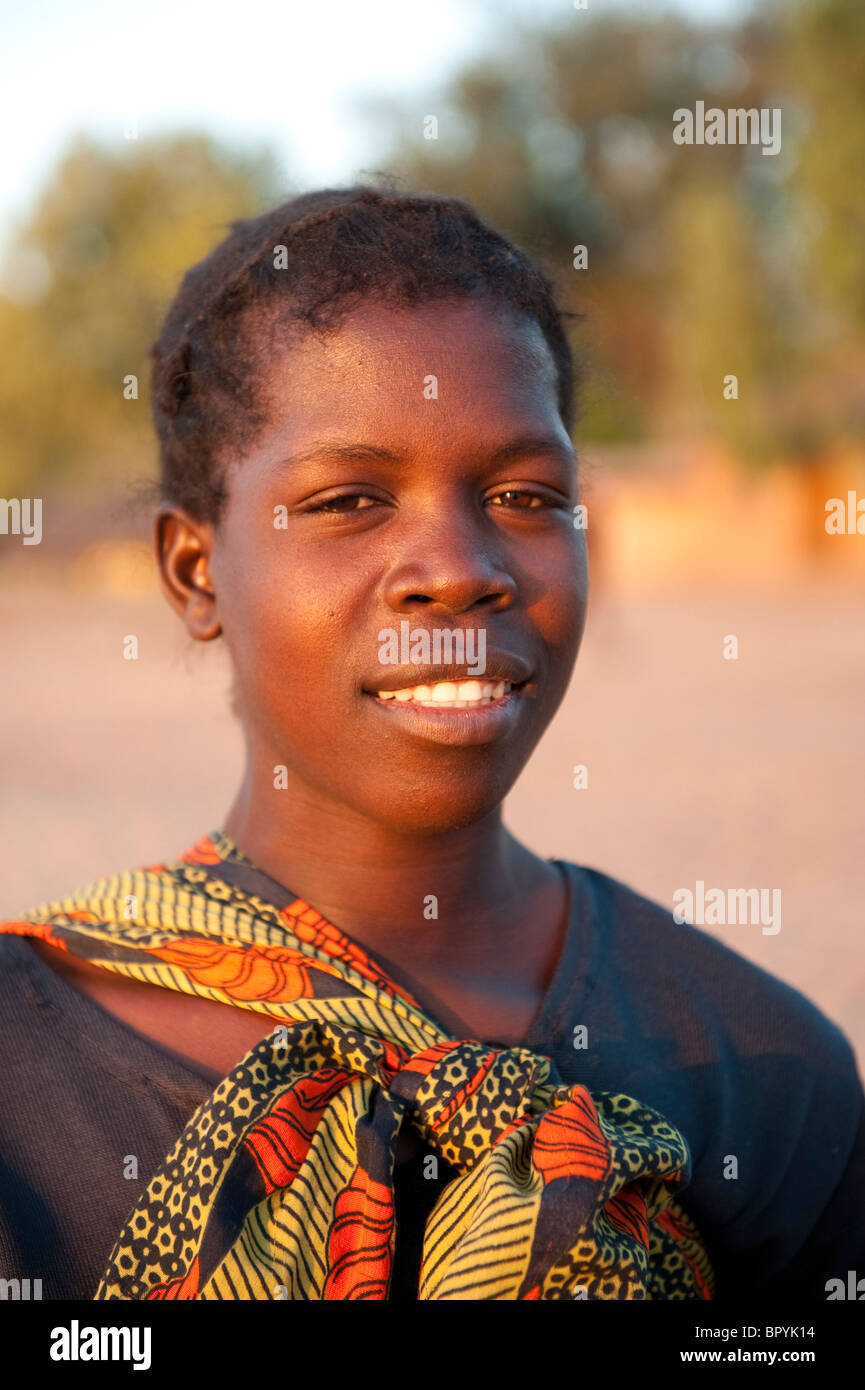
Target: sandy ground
<point>739,773</point>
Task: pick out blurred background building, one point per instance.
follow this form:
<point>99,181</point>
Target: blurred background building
<point>134,138</point>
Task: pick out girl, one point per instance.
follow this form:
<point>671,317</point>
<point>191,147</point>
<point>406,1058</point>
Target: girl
<point>358,1042</point>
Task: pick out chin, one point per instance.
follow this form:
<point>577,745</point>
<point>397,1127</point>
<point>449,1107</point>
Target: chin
<point>449,808</point>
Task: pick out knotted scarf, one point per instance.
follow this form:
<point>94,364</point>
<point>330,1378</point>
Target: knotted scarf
<point>281,1185</point>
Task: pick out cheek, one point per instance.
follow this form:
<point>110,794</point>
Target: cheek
<point>560,617</point>
<point>279,630</point>
<point>290,623</point>
<point>561,610</point>
<point>287,681</point>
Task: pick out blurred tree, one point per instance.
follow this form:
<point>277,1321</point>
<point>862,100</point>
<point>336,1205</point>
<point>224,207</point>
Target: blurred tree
<point>702,261</point>
<point>824,261</point>
<point>692,250</point>
<point>718,343</point>
<point>86,281</point>
<point>825,65</point>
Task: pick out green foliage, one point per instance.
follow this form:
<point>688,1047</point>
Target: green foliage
<point>110,237</point>
<point>826,65</point>
<point>703,261</point>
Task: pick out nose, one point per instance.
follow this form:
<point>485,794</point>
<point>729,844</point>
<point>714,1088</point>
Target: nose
<point>455,568</point>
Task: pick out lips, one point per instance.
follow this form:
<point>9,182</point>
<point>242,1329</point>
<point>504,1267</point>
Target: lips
<point>425,683</point>
<point>449,706</point>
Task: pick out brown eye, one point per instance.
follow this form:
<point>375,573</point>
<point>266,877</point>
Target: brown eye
<point>348,502</point>
<point>521,501</point>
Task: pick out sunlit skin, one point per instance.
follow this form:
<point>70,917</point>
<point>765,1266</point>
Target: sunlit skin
<point>468,525</point>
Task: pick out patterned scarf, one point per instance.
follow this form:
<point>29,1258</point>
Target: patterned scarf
<point>281,1185</point>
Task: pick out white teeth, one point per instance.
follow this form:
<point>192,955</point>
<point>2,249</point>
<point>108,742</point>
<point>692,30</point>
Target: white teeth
<point>444,693</point>
<point>468,694</point>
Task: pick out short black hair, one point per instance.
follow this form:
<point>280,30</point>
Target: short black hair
<point>313,259</point>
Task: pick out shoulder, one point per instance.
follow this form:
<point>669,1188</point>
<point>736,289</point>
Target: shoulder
<point>673,969</point>
<point>16,960</point>
<point>764,1086</point>
<point>29,1015</point>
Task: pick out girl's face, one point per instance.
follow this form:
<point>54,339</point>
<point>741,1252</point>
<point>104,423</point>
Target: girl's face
<point>414,479</point>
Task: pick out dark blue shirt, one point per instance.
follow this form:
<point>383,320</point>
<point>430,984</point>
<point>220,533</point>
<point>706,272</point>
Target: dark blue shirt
<point>762,1085</point>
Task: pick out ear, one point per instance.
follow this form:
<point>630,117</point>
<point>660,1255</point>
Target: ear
<point>183,549</point>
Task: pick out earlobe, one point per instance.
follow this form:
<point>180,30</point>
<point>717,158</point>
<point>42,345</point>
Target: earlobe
<point>183,548</point>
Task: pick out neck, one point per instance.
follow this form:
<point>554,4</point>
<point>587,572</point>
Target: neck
<point>420,899</point>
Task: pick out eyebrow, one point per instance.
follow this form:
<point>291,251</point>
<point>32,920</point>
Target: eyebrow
<point>375,453</point>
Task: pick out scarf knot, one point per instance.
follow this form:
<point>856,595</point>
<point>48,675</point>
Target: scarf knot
<point>462,1098</point>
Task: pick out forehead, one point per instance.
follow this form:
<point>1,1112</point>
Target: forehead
<point>449,360</point>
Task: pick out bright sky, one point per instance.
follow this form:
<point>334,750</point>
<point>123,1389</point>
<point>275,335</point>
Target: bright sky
<point>282,71</point>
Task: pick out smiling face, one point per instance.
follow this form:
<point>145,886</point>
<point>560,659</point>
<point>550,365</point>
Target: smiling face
<point>377,501</point>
